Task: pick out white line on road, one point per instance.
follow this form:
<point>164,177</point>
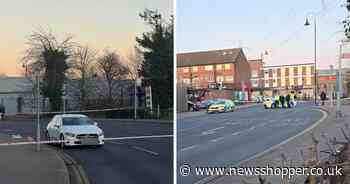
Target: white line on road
<point>211,131</point>
<point>188,148</point>
<point>137,148</point>
<point>217,139</point>
<point>232,123</point>
<point>145,150</point>
<point>137,137</point>
<point>236,133</point>
<point>105,139</point>
<point>325,115</point>
<point>251,128</point>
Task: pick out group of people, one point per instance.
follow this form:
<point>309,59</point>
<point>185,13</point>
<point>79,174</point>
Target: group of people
<point>286,101</point>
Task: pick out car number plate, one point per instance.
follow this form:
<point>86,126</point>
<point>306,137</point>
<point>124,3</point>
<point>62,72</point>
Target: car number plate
<point>90,141</point>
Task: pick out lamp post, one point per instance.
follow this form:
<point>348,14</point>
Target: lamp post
<point>339,82</point>
<point>138,82</point>
<point>331,86</point>
<point>307,23</point>
<point>36,90</point>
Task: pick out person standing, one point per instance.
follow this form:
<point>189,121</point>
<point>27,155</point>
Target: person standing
<point>323,97</point>
<point>277,101</point>
<point>282,101</point>
<point>288,100</point>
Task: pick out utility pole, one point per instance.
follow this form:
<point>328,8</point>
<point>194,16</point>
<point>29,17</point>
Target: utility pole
<point>339,82</point>
<point>137,83</point>
<point>307,23</point>
<point>315,59</point>
<point>135,100</point>
<point>38,112</point>
<point>331,87</point>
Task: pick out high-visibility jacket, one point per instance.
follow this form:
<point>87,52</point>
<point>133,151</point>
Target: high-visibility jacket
<point>277,98</point>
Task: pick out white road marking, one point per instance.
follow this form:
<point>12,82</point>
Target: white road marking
<point>145,150</point>
<point>188,148</point>
<point>236,133</point>
<point>325,115</point>
<point>232,123</point>
<point>251,128</point>
<point>217,139</point>
<point>137,137</point>
<point>212,131</point>
<point>106,139</point>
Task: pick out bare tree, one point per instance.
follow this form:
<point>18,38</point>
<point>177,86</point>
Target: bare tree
<point>111,69</point>
<point>49,57</point>
<point>83,71</point>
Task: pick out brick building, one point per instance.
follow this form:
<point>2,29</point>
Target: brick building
<point>282,79</point>
<point>257,73</point>
<point>224,68</point>
<point>327,80</point>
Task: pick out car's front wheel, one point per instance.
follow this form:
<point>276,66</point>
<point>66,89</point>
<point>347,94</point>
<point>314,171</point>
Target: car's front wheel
<point>62,143</point>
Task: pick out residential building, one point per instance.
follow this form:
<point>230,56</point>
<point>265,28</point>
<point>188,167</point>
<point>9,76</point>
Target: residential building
<point>257,74</point>
<point>282,79</point>
<point>224,68</point>
<point>13,92</point>
<point>327,82</point>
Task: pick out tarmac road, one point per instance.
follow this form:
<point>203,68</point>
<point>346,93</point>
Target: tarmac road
<point>148,160</point>
<point>227,138</point>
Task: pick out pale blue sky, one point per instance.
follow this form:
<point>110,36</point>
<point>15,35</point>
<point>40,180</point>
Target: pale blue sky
<point>99,23</point>
<point>273,25</point>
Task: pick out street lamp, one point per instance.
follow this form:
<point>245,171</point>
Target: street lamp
<point>307,23</point>
<point>36,88</point>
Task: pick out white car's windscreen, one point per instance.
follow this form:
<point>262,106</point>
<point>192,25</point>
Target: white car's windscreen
<point>71,121</point>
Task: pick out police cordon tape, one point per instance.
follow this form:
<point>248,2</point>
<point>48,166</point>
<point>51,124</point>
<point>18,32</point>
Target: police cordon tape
<point>105,139</point>
<point>71,112</point>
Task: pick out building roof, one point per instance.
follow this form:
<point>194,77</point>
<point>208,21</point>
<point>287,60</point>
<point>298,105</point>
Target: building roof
<point>289,65</point>
<point>208,57</point>
<point>13,85</point>
<point>255,60</point>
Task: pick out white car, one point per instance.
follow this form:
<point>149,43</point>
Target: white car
<point>74,129</point>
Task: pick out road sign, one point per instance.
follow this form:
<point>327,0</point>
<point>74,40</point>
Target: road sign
<point>148,97</point>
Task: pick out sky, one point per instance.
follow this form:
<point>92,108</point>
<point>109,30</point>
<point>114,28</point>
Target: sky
<point>101,24</point>
<point>274,26</point>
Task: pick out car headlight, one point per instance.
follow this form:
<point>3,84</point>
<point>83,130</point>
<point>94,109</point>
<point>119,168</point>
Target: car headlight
<point>69,134</point>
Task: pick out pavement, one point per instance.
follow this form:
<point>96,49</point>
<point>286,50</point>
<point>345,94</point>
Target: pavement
<point>22,164</point>
<point>132,161</point>
<point>226,139</point>
<point>329,128</point>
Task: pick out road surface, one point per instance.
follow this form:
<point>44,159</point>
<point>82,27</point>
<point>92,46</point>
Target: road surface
<point>227,138</point>
<point>147,160</point>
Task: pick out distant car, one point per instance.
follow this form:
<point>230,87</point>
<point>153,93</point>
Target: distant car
<point>221,106</point>
<point>268,103</point>
<point>204,104</point>
<point>74,129</point>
